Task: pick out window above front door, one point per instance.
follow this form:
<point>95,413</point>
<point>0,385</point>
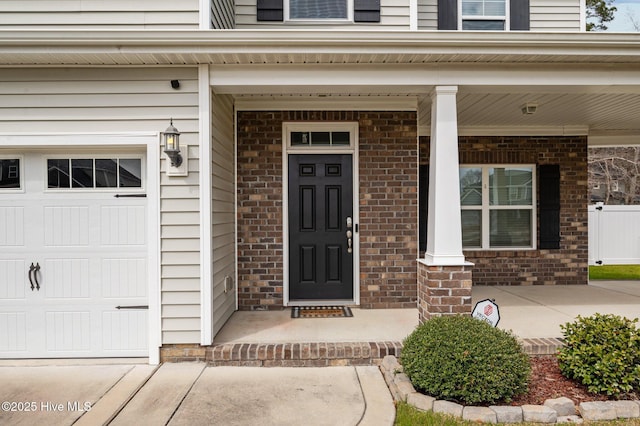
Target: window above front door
<point>318,10</point>
<point>484,15</point>
<point>321,136</point>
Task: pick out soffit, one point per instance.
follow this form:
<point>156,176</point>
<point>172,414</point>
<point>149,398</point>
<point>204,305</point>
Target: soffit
<point>240,47</point>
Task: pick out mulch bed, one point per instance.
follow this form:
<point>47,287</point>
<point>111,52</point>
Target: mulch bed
<point>547,382</point>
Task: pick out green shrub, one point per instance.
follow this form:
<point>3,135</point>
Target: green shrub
<point>603,353</point>
<point>463,359</point>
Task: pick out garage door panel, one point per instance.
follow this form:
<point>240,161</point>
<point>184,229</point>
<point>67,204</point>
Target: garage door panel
<point>123,225</point>
<point>11,226</point>
<point>68,331</point>
<point>13,332</point>
<point>124,330</point>
<point>13,278</point>
<point>66,226</point>
<point>124,278</point>
<point>65,278</point>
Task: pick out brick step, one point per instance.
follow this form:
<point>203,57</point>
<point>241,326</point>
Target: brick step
<point>542,346</point>
<point>309,354</point>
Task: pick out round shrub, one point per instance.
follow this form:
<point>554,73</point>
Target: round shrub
<point>603,353</point>
<point>463,359</point>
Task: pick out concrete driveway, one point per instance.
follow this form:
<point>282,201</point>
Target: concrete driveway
<point>192,394</point>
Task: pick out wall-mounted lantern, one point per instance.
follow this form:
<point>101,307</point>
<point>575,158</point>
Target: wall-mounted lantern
<point>171,141</point>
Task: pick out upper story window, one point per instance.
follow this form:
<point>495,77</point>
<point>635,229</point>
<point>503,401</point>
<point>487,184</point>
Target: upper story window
<point>318,9</point>
<point>484,15</point>
<point>322,11</point>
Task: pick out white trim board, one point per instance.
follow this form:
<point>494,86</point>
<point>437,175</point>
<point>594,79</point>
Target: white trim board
<point>206,232</point>
<point>151,142</point>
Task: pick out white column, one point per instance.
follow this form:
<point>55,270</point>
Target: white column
<point>444,232</point>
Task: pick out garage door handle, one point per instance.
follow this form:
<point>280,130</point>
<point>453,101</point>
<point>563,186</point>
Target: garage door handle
<point>130,195</point>
<point>133,307</point>
<point>31,269</point>
<point>35,276</point>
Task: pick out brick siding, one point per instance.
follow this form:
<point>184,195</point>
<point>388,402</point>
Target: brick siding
<point>443,290</point>
<point>388,206</point>
<point>567,265</point>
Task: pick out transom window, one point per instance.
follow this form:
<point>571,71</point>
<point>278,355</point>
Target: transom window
<point>319,9</point>
<point>486,15</point>
<point>320,136</point>
<point>10,173</point>
<point>497,206</point>
<point>94,173</point>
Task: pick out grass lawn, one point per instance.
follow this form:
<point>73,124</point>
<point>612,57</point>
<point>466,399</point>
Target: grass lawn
<point>614,272</point>
<point>407,415</point>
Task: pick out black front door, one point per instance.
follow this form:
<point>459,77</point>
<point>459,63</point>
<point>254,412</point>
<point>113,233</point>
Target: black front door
<point>320,239</point>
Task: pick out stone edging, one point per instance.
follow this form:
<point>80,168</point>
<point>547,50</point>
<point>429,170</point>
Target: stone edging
<point>559,410</point>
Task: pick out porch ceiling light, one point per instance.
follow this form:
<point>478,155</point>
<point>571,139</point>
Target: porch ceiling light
<point>529,108</point>
<point>171,138</point>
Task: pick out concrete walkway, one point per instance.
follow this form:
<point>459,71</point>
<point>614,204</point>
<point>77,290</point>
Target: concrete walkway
<point>193,394</point>
<point>124,392</point>
<point>538,311</point>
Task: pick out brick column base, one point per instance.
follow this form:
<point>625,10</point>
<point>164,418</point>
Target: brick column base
<point>443,290</point>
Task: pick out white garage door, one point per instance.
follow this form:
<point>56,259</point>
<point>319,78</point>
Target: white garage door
<point>73,246</point>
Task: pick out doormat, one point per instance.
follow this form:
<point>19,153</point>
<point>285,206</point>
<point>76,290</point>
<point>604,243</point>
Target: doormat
<point>321,312</point>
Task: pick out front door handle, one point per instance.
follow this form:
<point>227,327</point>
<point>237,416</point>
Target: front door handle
<point>31,269</point>
<point>35,275</point>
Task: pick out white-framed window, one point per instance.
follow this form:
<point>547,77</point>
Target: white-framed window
<point>320,136</point>
<point>498,206</point>
<point>483,15</point>
<point>318,10</point>
<point>94,173</point>
<point>10,173</point>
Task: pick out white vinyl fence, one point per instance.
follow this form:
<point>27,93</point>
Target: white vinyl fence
<point>614,235</point>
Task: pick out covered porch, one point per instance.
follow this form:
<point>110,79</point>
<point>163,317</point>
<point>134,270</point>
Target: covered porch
<point>540,106</point>
<point>534,314</point>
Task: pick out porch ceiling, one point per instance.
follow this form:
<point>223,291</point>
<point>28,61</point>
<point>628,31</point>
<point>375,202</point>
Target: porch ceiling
<point>609,115</point>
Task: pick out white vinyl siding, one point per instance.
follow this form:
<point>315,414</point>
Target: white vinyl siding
<point>394,15</point>
<point>112,100</point>
<point>428,15</point>
<point>546,15</point>
<point>222,14</point>
<point>224,211</point>
<point>94,14</point>
<point>555,15</point>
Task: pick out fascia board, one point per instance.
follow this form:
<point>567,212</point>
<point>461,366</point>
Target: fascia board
<point>559,46</point>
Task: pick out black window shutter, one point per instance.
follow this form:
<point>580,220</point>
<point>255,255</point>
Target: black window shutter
<point>423,204</point>
<point>549,215</point>
<point>520,15</point>
<point>366,10</point>
<point>270,10</point>
<point>447,14</point>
